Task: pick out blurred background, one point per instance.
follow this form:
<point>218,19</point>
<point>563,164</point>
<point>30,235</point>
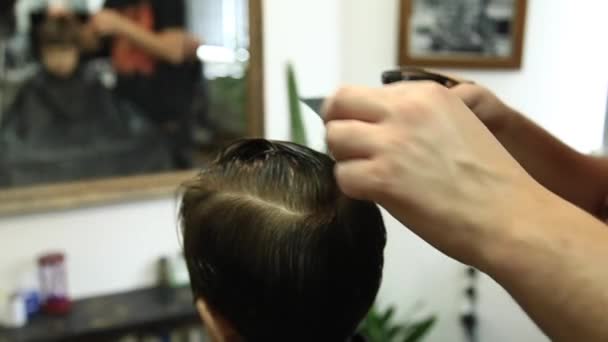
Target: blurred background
<point>94,89</point>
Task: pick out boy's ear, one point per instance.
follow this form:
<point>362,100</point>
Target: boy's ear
<point>216,326</point>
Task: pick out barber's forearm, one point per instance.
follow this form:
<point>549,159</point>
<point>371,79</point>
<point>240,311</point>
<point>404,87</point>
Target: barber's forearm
<point>571,175</point>
<point>552,258</point>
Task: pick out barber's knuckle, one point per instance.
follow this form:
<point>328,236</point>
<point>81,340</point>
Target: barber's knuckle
<point>413,104</point>
<point>412,110</point>
<point>340,100</point>
<point>330,128</point>
<point>434,88</point>
<point>399,87</point>
<point>333,133</point>
<point>381,187</point>
<point>346,182</point>
<point>345,92</point>
<point>381,173</point>
<point>349,188</point>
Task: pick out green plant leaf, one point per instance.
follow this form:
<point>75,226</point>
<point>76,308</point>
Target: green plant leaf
<point>378,326</point>
<point>387,316</point>
<point>417,331</point>
<point>373,317</point>
<point>298,132</point>
<point>376,335</point>
<point>393,332</point>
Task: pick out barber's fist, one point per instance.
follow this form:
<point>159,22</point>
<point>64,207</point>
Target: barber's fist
<point>108,22</point>
<point>417,150</point>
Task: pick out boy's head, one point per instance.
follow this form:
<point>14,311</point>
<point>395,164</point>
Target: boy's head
<point>275,251</point>
<point>58,39</point>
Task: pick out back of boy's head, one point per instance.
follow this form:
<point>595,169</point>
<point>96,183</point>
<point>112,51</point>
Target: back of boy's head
<point>276,249</point>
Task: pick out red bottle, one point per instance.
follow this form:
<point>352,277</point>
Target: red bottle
<point>54,284</point>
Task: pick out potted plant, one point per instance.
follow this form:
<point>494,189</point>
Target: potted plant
<point>380,326</point>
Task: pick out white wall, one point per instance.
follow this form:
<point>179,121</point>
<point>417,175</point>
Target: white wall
<point>306,34</point>
<point>109,248</point>
<point>334,41</point>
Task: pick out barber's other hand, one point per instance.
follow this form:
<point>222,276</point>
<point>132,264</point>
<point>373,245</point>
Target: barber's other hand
<point>108,22</point>
<point>494,113</point>
<point>417,150</point>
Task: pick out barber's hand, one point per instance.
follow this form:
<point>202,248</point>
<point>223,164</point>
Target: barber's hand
<point>417,150</point>
<point>108,22</point>
<point>181,45</point>
<point>486,105</point>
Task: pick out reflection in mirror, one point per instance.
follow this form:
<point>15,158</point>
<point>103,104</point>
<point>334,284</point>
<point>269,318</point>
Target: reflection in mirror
<point>102,89</point>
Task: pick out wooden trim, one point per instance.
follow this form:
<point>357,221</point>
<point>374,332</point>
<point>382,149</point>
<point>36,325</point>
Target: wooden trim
<point>87,193</point>
<point>71,195</point>
<point>255,99</point>
<point>405,12</point>
<point>512,62</point>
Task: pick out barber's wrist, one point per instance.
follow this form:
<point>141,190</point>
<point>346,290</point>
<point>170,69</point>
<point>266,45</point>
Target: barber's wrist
<point>512,243</point>
<point>123,26</point>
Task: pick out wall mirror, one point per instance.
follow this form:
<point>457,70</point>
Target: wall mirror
<point>89,116</point>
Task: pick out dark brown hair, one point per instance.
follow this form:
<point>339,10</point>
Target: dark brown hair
<point>59,31</point>
<point>7,16</point>
<point>275,247</point>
